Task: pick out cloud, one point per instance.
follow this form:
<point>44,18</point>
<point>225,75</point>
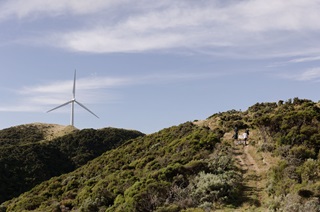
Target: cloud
<point>311,74</point>
<point>30,8</point>
<point>274,28</point>
<point>20,108</point>
<point>96,41</point>
<point>307,75</point>
<point>305,59</point>
<point>81,84</point>
<point>270,26</point>
<point>88,90</point>
<point>105,82</point>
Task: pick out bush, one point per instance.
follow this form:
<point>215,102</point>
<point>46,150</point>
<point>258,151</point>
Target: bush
<point>295,203</point>
<point>267,147</point>
<point>302,152</point>
<point>277,185</point>
<point>221,163</point>
<point>31,203</point>
<point>146,195</point>
<point>309,171</point>
<point>207,187</point>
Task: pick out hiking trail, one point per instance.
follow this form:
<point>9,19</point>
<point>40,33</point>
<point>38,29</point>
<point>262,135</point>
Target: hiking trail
<point>252,179</point>
<point>253,165</point>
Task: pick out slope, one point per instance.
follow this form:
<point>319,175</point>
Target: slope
<point>27,158</point>
<point>280,165</point>
<point>173,169</point>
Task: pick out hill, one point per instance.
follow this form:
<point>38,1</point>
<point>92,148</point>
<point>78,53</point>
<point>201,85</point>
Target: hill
<point>34,153</point>
<point>281,167</point>
<point>199,167</point>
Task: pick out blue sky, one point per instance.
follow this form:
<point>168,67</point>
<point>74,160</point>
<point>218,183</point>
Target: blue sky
<point>148,65</point>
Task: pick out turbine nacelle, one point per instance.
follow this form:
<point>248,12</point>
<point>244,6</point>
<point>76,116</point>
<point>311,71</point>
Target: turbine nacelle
<point>72,101</point>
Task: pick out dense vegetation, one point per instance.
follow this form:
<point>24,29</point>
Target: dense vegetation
<point>191,168</point>
<point>20,135</point>
<point>177,168</point>
<point>27,160</point>
<point>291,130</point>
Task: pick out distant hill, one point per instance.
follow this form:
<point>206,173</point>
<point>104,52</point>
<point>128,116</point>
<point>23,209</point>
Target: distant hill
<point>198,166</point>
<point>33,153</point>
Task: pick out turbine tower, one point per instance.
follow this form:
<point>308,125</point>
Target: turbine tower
<point>72,101</point>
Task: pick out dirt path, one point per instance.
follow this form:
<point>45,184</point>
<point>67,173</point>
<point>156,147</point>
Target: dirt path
<point>254,166</point>
<point>254,176</point>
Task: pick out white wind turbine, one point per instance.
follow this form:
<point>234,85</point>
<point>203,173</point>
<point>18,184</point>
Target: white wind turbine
<point>72,101</point>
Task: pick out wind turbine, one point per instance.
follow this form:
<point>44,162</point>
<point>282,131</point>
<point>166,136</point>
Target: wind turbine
<point>72,101</point>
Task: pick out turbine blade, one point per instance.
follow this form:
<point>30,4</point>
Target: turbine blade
<point>86,108</point>
<point>74,85</point>
<point>60,106</point>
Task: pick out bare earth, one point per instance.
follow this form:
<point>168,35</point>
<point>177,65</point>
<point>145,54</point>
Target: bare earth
<point>52,131</point>
<point>254,166</point>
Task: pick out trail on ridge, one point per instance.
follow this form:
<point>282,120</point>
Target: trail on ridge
<point>254,166</point>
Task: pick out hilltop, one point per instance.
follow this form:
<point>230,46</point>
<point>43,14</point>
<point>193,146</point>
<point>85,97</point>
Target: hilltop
<point>33,133</point>
<point>198,166</point>
<point>51,131</point>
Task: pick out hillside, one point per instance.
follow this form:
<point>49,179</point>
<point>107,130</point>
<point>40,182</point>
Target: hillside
<point>33,153</point>
<point>199,167</point>
<point>280,166</point>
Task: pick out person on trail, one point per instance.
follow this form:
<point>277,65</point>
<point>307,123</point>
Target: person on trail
<point>235,135</point>
<point>247,131</point>
<point>245,137</point>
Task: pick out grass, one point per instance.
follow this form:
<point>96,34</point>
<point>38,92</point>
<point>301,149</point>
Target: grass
<point>52,131</point>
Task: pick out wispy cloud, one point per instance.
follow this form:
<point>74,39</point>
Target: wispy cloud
<point>312,74</point>
<point>305,59</point>
<point>246,25</point>
<point>20,108</point>
<point>89,90</point>
<point>82,84</point>
<point>252,28</point>
<point>30,8</point>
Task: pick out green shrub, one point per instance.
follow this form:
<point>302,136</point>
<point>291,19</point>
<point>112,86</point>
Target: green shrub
<point>207,187</point>
<point>301,153</point>
<point>294,202</point>
<point>309,171</point>
<point>276,184</point>
<point>195,166</point>
<point>146,195</point>
<point>31,203</point>
<point>221,163</point>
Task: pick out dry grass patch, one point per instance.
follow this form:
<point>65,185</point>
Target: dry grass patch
<point>52,131</point>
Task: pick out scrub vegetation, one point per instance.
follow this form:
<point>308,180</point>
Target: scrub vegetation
<point>26,159</point>
<point>191,167</point>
